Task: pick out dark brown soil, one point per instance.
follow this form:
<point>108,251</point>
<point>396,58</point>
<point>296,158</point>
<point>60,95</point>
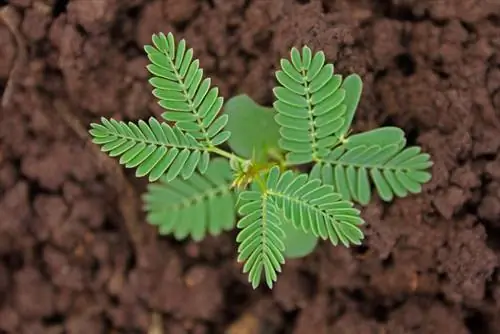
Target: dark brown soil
<point>76,255</point>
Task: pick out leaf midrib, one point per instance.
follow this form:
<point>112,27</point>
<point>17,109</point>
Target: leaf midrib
<point>297,200</point>
<point>264,226</point>
<point>312,128</point>
<point>364,165</point>
<point>157,143</point>
<point>189,100</point>
<point>197,198</point>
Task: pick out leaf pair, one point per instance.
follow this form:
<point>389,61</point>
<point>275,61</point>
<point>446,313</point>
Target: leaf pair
<point>255,135</point>
<point>307,204</point>
<point>155,148</point>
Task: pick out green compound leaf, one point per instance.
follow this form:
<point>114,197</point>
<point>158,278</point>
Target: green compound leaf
<point>179,85</point>
<point>260,238</point>
<point>152,148</point>
<point>204,204</point>
<point>297,242</point>
<point>310,102</point>
<point>315,208</point>
<point>375,157</point>
<point>254,132</point>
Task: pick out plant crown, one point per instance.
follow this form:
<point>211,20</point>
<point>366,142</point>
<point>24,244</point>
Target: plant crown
<point>193,194</point>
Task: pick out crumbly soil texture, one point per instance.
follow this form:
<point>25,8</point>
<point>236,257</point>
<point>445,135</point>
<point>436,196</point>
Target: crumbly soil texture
<point>76,254</point>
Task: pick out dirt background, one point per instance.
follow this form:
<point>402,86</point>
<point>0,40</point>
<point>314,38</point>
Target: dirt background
<point>76,255</point>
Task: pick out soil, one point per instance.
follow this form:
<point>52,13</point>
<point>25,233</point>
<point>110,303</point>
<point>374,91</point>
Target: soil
<point>76,255</point>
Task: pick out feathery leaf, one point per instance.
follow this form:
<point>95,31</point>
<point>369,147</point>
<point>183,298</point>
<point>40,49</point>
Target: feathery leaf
<point>153,148</point>
<point>310,106</point>
<point>377,157</point>
<point>203,204</point>
<point>179,85</point>
<point>315,208</point>
<point>260,238</point>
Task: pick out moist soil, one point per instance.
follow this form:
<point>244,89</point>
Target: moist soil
<point>76,255</point>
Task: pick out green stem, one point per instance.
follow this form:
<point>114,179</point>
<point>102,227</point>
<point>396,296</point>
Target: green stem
<point>225,154</point>
<point>276,155</point>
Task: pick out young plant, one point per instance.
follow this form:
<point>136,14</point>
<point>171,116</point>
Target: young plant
<point>291,173</point>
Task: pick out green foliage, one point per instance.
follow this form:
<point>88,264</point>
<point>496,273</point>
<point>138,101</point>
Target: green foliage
<point>297,243</point>
<point>378,156</point>
<point>353,86</point>
<point>194,207</point>
<point>257,188</point>
<point>261,237</point>
<point>181,89</point>
<point>315,207</point>
<point>254,133</point>
<point>153,148</point>
<point>310,106</point>
<point>307,204</point>
<point>244,117</point>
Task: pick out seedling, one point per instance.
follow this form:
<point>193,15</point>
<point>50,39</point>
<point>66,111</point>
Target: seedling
<point>290,173</point>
